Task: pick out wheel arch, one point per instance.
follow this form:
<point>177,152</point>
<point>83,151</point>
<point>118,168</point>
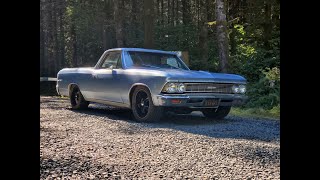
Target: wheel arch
<point>133,87</point>
<point>71,86</point>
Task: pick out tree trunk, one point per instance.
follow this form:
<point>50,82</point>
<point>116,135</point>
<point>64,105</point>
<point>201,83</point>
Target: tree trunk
<point>162,14</point>
<point>148,23</point>
<point>203,36</point>
<point>118,6</point>
<point>50,39</point>
<point>186,13</point>
<point>232,14</point>
<point>104,26</point>
<point>222,36</point>
<point>198,6</point>
<point>135,18</point>
<point>173,13</point>
<point>104,37</point>
<point>178,12</point>
<point>158,12</point>
<point>73,36</point>
<point>42,40</point>
<point>168,12</point>
<point>211,10</point>
<point>62,33</point>
<point>55,39</point>
<point>45,25</point>
<point>267,24</point>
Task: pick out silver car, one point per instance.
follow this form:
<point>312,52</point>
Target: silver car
<point>151,82</point>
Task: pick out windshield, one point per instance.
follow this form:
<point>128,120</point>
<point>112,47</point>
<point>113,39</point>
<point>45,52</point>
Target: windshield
<point>157,60</point>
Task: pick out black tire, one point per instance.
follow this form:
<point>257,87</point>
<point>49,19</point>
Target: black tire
<point>217,114</point>
<point>142,106</point>
<point>77,100</point>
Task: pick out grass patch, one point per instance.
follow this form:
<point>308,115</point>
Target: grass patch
<point>273,113</point>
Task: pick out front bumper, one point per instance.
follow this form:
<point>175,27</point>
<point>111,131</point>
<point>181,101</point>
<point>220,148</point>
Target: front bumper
<point>197,100</point>
<point>57,89</point>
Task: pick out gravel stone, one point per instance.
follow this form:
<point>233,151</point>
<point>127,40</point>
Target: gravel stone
<point>104,143</point>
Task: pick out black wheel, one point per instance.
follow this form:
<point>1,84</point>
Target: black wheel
<point>77,100</point>
<point>219,113</point>
<point>142,106</point>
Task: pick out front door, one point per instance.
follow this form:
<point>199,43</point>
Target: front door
<point>106,79</point>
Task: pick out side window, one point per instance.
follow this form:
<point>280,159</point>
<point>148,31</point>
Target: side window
<point>111,61</point>
<point>173,62</point>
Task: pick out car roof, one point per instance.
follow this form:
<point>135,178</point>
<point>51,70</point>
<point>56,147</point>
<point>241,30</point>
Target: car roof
<point>141,50</point>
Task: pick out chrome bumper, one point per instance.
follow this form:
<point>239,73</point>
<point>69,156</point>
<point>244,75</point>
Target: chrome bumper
<point>197,100</point>
<point>57,89</point>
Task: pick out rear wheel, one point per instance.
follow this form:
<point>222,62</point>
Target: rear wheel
<point>217,114</point>
<point>77,100</point>
<point>142,106</point>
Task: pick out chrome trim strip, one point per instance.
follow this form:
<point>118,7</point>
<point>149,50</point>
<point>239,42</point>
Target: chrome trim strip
<point>204,87</point>
<point>164,99</point>
<point>110,103</point>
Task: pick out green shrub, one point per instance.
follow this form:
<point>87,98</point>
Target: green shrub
<point>266,92</point>
<point>275,110</point>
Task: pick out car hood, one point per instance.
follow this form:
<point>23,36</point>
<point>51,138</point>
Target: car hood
<point>202,76</point>
<point>179,75</point>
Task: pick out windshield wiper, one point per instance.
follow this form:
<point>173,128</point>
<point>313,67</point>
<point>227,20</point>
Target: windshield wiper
<point>146,65</point>
<point>172,67</point>
<point>166,67</point>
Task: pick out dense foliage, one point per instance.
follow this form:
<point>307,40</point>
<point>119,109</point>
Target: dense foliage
<point>75,33</point>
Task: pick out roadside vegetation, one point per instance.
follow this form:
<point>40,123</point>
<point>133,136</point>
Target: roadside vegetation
<point>273,113</point>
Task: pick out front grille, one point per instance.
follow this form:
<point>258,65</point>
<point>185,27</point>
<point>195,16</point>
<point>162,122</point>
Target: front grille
<point>208,88</point>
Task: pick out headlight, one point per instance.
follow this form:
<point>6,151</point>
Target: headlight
<point>239,89</point>
<point>171,88</point>
<point>242,89</point>
<point>174,88</point>
<point>235,89</point>
<point>181,88</point>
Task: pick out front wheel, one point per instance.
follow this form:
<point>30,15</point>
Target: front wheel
<point>77,100</point>
<point>142,106</point>
<point>217,114</point>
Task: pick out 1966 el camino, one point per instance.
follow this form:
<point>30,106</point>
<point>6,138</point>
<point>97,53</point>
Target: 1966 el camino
<point>150,82</point>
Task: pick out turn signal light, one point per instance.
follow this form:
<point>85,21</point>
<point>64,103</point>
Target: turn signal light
<point>175,101</point>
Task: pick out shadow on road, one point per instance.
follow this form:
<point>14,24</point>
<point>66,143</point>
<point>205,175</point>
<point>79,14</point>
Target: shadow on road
<point>196,123</point>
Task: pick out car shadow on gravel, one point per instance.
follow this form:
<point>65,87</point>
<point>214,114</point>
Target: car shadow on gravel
<point>231,127</point>
<point>110,113</point>
<point>196,123</point>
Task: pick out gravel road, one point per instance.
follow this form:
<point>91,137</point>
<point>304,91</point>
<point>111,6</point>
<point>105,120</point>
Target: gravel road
<point>103,143</point>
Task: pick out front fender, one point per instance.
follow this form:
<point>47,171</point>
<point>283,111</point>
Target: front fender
<point>154,85</point>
